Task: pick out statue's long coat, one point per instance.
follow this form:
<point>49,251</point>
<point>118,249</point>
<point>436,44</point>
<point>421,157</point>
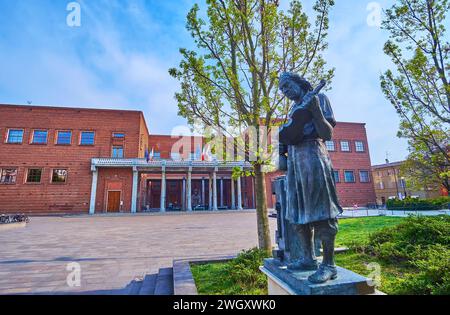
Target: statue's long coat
<point>311,187</point>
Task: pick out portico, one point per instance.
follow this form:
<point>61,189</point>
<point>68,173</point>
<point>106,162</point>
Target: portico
<point>168,185</point>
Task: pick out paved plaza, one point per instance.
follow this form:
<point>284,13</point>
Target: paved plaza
<point>113,251</point>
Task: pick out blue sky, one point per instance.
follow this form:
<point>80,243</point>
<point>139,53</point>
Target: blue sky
<point>120,55</point>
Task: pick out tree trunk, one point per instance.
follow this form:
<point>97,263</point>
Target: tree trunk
<point>262,217</point>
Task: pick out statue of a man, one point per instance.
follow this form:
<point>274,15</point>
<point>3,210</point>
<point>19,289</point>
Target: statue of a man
<point>312,202</point>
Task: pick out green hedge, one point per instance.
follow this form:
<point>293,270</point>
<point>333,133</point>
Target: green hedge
<point>421,245</point>
<point>418,204</point>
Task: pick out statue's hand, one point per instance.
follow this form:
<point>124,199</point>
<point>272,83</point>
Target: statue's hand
<point>314,106</point>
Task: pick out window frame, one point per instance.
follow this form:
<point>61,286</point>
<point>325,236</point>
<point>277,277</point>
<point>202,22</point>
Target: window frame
<point>57,137</point>
<point>115,133</point>
<point>59,169</point>
<point>8,135</point>
<point>345,177</point>
<point>81,138</point>
<point>112,152</point>
<point>32,140</point>
<point>338,179</point>
<point>368,177</point>
<point>363,146</point>
<point>28,174</point>
<point>349,146</point>
<point>334,145</point>
<point>8,168</point>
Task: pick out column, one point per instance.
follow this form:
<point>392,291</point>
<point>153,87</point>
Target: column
<point>239,194</point>
<point>233,196</point>
<point>221,192</point>
<point>203,192</point>
<point>93,190</point>
<point>215,208</point>
<point>183,195</point>
<point>189,191</point>
<point>163,189</point>
<point>210,191</point>
<point>134,191</point>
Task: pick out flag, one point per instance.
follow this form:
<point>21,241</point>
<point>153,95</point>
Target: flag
<point>152,154</point>
<point>147,156</point>
<point>198,152</point>
<point>206,154</point>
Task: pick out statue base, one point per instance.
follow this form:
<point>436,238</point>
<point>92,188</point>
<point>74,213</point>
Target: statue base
<point>282,281</point>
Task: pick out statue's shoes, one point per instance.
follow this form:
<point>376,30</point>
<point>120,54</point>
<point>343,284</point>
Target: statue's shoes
<point>324,274</point>
<point>303,266</point>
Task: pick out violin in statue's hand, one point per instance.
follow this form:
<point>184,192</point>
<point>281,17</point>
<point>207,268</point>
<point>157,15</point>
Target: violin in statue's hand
<point>292,132</point>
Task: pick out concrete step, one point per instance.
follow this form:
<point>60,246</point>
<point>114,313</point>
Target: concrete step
<point>164,282</point>
<point>148,285</point>
<point>134,287</point>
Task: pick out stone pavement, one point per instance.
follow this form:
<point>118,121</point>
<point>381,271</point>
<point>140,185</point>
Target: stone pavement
<point>113,251</point>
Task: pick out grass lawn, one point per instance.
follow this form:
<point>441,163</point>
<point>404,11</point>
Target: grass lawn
<point>359,229</point>
<point>212,279</point>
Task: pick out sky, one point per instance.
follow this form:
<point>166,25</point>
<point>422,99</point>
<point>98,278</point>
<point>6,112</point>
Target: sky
<point>119,58</point>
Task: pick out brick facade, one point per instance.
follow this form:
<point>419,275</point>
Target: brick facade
<point>73,196</point>
<point>358,192</point>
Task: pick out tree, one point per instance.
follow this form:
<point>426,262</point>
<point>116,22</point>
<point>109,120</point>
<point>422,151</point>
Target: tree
<point>230,81</point>
<point>419,86</point>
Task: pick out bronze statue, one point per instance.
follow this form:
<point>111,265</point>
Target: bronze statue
<point>312,204</point>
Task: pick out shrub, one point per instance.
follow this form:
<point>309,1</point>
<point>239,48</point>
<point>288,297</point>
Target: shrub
<point>418,204</point>
<point>244,270</point>
<point>423,245</point>
<point>433,276</point>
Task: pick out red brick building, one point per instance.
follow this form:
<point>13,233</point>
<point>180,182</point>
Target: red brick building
<point>57,160</point>
<point>350,155</point>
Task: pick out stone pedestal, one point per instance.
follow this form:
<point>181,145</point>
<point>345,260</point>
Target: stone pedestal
<point>285,282</point>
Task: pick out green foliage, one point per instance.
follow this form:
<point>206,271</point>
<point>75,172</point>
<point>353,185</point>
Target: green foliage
<point>418,204</point>
<point>229,80</point>
<point>420,246</point>
<point>419,86</point>
<point>241,276</point>
<point>244,270</point>
<point>357,230</point>
<point>432,276</point>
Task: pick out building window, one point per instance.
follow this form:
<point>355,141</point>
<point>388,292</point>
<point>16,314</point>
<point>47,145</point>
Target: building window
<point>359,145</point>
<point>64,138</point>
<point>40,137</point>
<point>59,176</point>
<point>87,138</point>
<point>349,176</point>
<point>15,136</point>
<point>336,177</point>
<point>8,176</point>
<point>34,175</point>
<point>345,146</point>
<point>330,146</point>
<point>118,135</point>
<point>381,185</point>
<point>364,176</point>
<point>117,152</point>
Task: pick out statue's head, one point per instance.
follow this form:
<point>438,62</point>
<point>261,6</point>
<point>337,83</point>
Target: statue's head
<point>294,86</point>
